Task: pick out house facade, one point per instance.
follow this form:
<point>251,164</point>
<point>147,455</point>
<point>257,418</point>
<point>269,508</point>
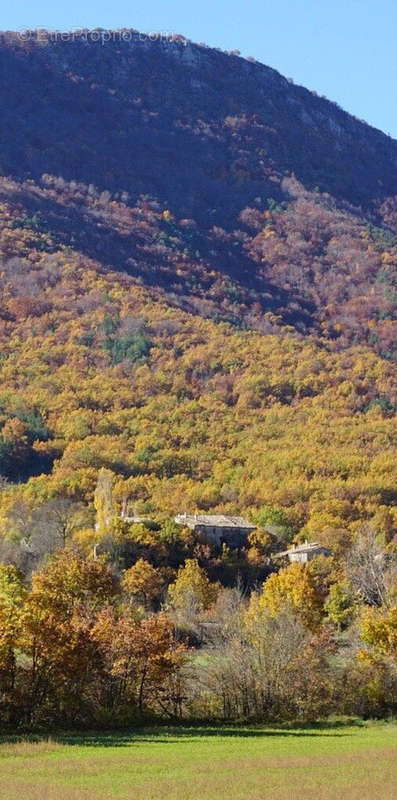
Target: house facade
<point>217,529</point>
<point>302,553</point>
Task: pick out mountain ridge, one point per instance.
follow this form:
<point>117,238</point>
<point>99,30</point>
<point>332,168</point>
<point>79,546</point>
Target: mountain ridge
<point>239,124</point>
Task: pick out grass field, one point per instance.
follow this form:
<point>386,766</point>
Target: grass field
<point>356,763</point>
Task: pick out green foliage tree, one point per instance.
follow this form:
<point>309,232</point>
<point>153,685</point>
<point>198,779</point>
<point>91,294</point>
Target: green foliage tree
<point>341,604</point>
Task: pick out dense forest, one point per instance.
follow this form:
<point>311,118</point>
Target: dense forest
<point>198,294</point>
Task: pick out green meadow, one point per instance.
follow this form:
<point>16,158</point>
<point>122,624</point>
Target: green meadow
<point>358,762</point>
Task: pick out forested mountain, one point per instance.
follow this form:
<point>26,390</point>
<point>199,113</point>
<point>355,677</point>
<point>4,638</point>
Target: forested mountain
<point>198,292</point>
<point>198,285</point>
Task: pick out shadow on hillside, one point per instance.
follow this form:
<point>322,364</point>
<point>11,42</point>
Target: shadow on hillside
<point>132,254</point>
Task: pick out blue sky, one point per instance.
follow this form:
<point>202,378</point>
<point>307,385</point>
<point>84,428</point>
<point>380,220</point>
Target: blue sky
<point>344,49</point>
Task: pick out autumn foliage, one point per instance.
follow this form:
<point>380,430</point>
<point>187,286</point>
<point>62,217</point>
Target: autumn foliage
<point>197,314</point>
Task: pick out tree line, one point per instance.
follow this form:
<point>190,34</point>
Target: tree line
<point>84,642</point>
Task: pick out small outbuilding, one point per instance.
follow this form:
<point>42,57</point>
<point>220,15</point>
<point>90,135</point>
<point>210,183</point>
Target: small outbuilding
<point>217,528</point>
<point>305,552</point>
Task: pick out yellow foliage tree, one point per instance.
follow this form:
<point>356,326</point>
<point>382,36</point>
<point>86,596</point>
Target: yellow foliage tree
<point>295,586</point>
<point>192,585</point>
<point>142,582</point>
<point>103,501</point>
<point>379,631</point>
<point>12,598</point>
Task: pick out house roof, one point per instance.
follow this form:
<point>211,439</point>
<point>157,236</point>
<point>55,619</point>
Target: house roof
<point>213,521</point>
<point>306,547</point>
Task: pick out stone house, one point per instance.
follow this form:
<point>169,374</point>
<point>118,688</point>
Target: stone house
<point>217,528</point>
<point>305,552</point>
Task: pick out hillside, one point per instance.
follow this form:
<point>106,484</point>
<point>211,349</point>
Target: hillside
<point>198,288</point>
<point>207,175</point>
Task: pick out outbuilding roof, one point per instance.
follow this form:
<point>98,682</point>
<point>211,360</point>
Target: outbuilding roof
<point>306,547</point>
<point>213,521</point>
